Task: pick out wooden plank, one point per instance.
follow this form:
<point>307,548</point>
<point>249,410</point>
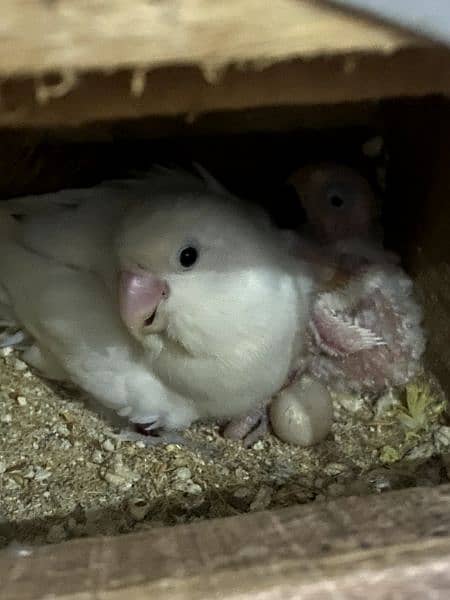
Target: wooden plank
<point>394,545</point>
<point>38,36</point>
<point>423,217</point>
<point>69,62</point>
<point>184,90</point>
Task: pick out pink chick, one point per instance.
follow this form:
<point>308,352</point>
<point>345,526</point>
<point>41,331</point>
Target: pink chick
<point>366,331</point>
<point>342,213</point>
<point>366,335</point>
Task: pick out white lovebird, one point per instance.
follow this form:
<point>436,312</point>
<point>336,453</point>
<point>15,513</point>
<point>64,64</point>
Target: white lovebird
<point>215,306</point>
<point>79,337</point>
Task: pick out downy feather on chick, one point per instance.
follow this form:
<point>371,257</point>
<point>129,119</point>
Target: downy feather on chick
<point>367,332</point>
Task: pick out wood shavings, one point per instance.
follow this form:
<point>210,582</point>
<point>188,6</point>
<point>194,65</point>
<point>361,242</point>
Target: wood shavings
<point>64,473</point>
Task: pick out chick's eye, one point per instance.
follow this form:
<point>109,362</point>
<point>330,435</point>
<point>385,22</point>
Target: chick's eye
<point>336,200</point>
<point>188,257</point>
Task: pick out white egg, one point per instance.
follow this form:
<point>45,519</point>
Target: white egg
<point>302,414</point>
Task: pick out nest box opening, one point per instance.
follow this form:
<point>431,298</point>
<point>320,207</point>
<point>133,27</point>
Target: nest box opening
<point>401,146</point>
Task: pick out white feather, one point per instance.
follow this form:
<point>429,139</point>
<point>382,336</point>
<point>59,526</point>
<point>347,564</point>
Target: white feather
<point>78,332</point>
<point>235,323</point>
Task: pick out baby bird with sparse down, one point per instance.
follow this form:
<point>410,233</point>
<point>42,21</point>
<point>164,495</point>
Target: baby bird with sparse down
<point>366,331</point>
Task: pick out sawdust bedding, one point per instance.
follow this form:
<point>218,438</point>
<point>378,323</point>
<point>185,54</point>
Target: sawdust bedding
<point>65,472</point>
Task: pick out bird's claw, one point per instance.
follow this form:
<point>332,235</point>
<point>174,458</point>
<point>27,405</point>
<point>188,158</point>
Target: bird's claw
<point>167,437</point>
<point>150,426</point>
<point>9,338</point>
<point>249,428</point>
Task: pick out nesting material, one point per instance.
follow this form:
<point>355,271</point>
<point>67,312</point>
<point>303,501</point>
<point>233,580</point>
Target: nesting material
<point>65,473</point>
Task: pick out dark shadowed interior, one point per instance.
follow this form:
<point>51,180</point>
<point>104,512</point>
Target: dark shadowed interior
<point>254,151</point>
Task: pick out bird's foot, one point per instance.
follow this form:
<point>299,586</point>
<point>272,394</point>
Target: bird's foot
<point>12,337</point>
<point>249,428</point>
<point>150,436</point>
<point>152,427</point>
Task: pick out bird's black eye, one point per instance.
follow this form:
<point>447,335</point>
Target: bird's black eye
<point>336,200</point>
<point>188,257</point>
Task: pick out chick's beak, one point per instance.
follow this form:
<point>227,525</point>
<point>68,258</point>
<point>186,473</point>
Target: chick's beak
<point>140,294</point>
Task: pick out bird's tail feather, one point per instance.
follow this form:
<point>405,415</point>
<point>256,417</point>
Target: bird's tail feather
<point>31,205</point>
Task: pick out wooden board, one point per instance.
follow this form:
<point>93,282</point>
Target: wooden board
<point>40,36</point>
<point>395,545</point>
<point>417,214</point>
<point>429,243</point>
<point>68,62</point>
<point>174,91</point>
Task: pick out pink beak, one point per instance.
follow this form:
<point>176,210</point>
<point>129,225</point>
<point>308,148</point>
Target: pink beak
<point>139,297</point>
